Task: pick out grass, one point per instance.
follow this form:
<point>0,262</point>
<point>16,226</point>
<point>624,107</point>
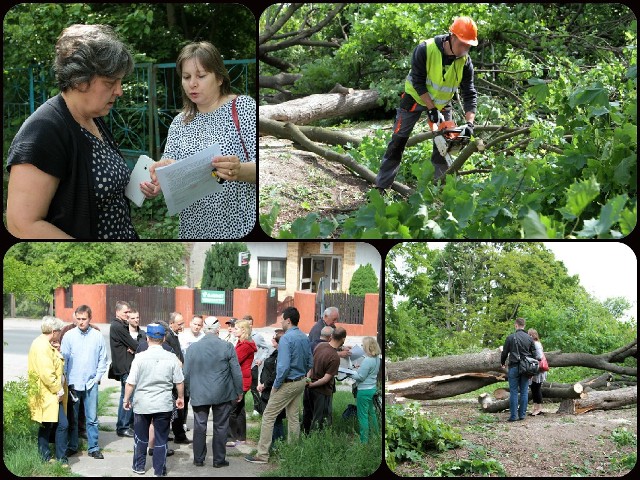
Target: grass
<point>308,456</point>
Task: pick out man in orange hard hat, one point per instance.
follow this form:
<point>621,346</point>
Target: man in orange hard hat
<point>440,67</point>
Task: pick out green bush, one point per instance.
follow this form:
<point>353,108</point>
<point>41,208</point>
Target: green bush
<point>364,280</point>
<point>16,417</point>
<point>410,433</point>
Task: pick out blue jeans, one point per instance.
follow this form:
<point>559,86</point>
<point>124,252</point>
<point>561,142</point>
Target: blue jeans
<point>516,381</point>
<point>61,437</point>
<point>90,400</point>
<point>125,417</point>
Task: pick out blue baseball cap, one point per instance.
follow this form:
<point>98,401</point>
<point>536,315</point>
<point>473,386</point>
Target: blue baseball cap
<point>155,330</point>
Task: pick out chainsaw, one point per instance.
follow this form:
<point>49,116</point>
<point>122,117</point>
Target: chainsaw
<point>448,138</point>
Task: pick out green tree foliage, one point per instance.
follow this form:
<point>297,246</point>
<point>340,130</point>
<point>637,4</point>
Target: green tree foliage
<point>364,280</point>
<point>155,31</point>
<point>37,268</point>
<point>221,270</point>
<point>564,76</point>
<point>467,295</point>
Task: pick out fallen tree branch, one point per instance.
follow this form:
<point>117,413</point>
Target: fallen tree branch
<point>345,160</point>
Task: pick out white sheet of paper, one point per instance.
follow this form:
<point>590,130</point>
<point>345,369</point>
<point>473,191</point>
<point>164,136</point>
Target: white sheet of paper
<point>185,182</point>
<point>140,173</point>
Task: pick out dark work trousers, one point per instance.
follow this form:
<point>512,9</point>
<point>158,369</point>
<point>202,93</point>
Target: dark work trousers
<point>141,424</point>
<point>316,410</point>
<point>238,421</point>
<point>220,417</point>
<point>177,426</point>
<point>407,115</point>
<point>257,399</point>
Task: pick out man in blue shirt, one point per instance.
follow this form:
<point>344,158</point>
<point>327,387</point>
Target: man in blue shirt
<point>85,359</point>
<point>294,361</point>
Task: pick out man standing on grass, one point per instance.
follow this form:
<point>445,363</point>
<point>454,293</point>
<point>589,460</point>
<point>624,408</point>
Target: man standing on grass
<point>294,361</point>
<point>319,392</point>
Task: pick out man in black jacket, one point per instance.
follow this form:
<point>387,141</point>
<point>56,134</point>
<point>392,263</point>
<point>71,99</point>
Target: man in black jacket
<point>123,348</point>
<point>516,345</point>
<point>176,325</point>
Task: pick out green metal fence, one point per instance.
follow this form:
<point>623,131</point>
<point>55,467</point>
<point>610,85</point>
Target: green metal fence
<point>141,117</point>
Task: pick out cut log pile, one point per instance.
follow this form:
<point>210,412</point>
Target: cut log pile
<point>442,377</point>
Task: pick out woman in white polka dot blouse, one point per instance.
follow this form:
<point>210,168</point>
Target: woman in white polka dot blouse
<point>207,117</point>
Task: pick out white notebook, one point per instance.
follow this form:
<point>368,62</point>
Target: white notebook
<point>139,174</point>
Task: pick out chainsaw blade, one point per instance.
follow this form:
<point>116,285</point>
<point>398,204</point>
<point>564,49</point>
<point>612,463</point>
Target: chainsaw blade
<point>441,145</point>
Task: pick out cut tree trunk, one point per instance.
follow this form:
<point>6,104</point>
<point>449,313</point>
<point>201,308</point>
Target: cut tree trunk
<point>600,400</point>
<point>302,111</point>
<point>421,377</point>
<point>500,399</point>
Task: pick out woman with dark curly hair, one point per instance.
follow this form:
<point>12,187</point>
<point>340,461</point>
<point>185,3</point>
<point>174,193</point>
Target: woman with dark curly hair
<point>67,175</point>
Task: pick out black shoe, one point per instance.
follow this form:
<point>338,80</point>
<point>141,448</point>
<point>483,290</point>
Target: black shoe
<point>170,451</point>
<point>70,453</point>
<point>97,455</point>
<point>126,433</point>
<point>224,463</point>
<point>184,441</point>
<point>198,464</point>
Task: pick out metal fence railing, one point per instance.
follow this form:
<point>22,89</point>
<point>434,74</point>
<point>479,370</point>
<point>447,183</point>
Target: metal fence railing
<point>140,119</point>
<point>351,307</point>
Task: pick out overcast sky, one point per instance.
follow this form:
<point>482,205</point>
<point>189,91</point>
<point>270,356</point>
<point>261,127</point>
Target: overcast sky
<point>606,269</point>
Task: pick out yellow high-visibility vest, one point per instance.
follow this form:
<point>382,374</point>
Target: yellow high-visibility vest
<point>442,82</point>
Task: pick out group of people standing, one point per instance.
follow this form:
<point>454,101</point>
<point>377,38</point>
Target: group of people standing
<point>165,368</point>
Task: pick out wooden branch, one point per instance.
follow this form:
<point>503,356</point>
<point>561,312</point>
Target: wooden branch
<point>345,160</point>
<point>316,134</point>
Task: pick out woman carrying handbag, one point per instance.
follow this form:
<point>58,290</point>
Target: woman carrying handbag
<point>536,381</point>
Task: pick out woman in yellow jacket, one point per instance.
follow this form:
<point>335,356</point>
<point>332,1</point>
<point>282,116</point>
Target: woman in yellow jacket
<point>48,390</point>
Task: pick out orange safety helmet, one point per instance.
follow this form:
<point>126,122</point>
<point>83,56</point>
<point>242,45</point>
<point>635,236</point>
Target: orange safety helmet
<point>465,29</point>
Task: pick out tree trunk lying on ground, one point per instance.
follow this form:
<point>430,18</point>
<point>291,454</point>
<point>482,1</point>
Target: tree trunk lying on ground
<point>302,111</point>
<point>600,400</point>
<point>439,377</point>
<point>493,404</point>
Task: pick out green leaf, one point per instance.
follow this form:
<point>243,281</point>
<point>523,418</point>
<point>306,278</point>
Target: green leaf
<point>533,226</point>
<point>595,95</point>
<point>581,194</point>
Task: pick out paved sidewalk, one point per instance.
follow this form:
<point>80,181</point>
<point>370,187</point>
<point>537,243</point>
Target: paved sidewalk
<point>118,456</point>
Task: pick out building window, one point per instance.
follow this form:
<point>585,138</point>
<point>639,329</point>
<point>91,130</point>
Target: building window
<point>271,271</point>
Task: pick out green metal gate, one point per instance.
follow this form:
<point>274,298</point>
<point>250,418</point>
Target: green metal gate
<point>141,117</point>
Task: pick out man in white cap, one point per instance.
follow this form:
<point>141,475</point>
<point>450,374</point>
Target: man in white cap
<point>214,381</point>
<point>153,375</point>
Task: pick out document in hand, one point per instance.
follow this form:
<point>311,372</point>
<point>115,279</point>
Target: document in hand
<point>188,180</point>
<point>139,174</point>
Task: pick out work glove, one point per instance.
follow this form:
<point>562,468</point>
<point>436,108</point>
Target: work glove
<point>468,130</point>
<point>435,116</point>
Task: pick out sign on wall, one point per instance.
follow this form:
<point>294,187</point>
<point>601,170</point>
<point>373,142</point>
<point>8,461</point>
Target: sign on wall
<point>214,297</point>
<point>326,247</point>
<point>243,259</point>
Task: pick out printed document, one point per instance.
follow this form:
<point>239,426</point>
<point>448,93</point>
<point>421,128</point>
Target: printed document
<point>139,174</point>
<point>188,180</point>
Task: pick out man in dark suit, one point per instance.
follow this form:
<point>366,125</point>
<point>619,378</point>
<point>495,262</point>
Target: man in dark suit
<point>176,325</point>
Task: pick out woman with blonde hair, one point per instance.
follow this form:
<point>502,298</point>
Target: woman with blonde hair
<point>245,350</point>
<point>48,398</point>
<point>536,381</point>
<point>366,380</point>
